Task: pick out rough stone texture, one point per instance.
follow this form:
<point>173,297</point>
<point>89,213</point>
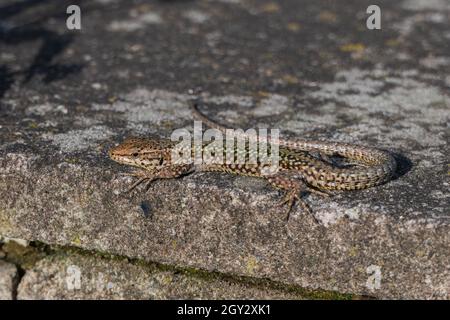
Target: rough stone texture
<point>310,70</point>
<point>88,277</point>
<point>8,277</point>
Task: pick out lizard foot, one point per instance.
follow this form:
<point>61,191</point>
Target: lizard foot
<point>290,198</point>
<point>294,188</point>
<point>143,176</point>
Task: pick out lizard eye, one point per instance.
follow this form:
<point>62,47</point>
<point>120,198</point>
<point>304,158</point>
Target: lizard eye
<point>135,154</point>
<point>161,161</point>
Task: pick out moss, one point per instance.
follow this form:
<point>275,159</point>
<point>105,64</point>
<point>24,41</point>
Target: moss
<point>33,125</point>
<point>28,256</point>
<point>301,293</point>
<point>439,104</point>
<point>72,160</point>
<point>25,257</point>
<point>252,265</point>
<point>353,47</point>
<point>76,241</point>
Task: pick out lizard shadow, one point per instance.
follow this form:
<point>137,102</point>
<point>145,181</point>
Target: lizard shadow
<point>404,165</point>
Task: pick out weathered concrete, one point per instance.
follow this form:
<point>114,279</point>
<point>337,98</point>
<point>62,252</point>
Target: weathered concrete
<point>310,71</point>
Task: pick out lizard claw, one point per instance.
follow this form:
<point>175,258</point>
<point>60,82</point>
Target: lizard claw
<point>143,176</point>
<point>306,208</point>
<point>134,185</point>
<point>290,198</point>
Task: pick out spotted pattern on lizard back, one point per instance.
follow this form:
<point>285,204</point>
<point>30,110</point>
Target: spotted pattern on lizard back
<point>299,169</point>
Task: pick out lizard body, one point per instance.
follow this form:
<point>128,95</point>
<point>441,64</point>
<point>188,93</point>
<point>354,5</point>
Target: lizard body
<point>299,170</point>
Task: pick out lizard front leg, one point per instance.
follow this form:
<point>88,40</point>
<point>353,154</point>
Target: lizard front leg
<point>166,172</point>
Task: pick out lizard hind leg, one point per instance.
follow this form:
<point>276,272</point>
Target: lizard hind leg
<point>294,187</point>
<point>294,196</point>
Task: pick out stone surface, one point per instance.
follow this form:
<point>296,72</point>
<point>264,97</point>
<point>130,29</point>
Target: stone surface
<point>8,277</point>
<point>89,277</point>
<point>309,70</point>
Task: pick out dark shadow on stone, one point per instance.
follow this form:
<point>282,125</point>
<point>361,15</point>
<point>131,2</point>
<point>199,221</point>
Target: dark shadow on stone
<point>52,46</point>
<point>146,209</point>
<point>52,43</point>
<point>15,8</point>
<point>404,165</point>
<point>6,80</point>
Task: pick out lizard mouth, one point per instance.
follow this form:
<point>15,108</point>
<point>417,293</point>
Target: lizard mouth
<point>118,158</point>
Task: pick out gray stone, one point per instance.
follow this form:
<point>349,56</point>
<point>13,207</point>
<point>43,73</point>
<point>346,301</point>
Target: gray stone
<point>275,66</point>
<point>88,277</point>
<point>8,280</point>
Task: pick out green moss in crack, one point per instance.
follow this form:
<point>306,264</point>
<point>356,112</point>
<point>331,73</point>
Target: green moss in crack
<point>300,293</point>
<point>23,256</point>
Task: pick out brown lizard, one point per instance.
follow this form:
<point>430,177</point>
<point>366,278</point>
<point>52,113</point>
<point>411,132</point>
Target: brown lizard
<point>299,169</point>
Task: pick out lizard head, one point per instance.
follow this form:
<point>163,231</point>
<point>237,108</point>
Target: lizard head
<point>141,152</point>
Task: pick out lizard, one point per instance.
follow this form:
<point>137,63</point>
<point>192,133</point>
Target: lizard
<point>300,169</point>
